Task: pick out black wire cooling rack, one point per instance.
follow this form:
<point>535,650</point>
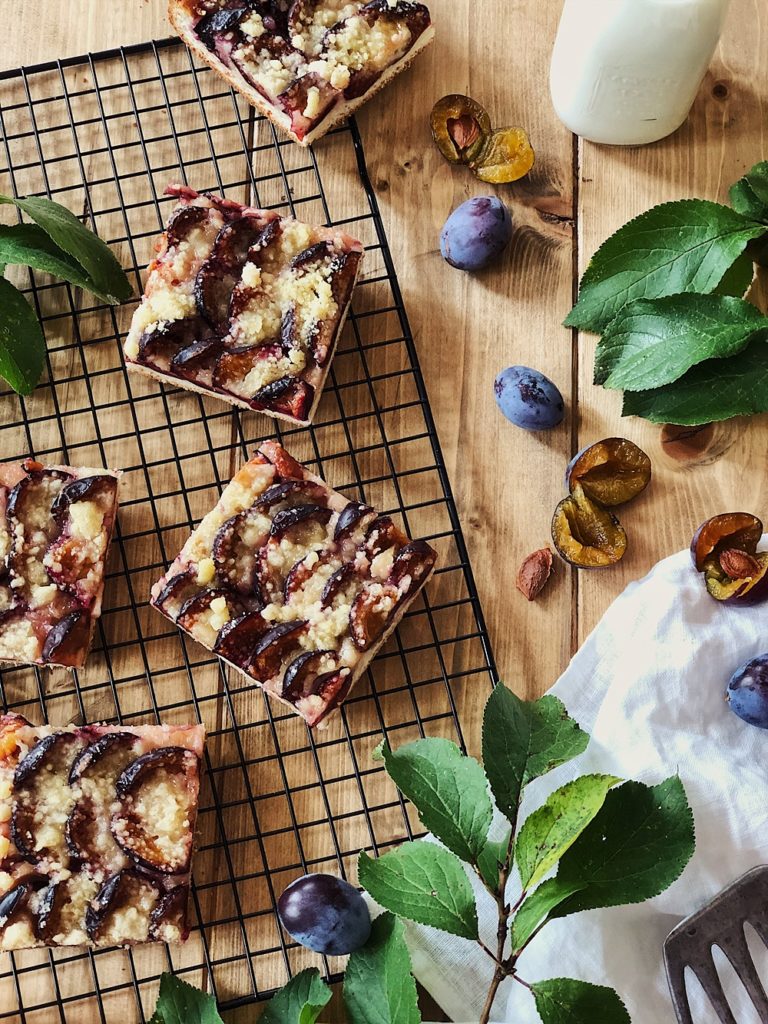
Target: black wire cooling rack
<point>104,134</point>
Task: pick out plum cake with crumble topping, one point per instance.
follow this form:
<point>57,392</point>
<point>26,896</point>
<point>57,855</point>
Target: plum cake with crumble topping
<point>306,64</point>
<point>292,583</point>
<point>56,523</point>
<point>96,832</point>
<point>244,304</point>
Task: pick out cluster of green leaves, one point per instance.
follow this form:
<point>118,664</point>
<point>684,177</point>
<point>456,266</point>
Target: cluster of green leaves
<point>611,843</point>
<point>58,244</point>
<point>665,291</point>
<point>378,989</point>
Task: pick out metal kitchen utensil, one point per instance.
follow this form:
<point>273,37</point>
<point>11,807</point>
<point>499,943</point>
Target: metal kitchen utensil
<point>720,923</point>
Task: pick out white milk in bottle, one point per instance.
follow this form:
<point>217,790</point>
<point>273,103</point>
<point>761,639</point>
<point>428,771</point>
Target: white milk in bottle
<point>626,72</point>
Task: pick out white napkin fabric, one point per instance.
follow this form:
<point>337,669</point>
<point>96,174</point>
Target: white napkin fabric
<point>648,685</point>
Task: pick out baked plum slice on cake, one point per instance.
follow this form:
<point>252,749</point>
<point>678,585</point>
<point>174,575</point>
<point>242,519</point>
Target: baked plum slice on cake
<point>56,523</point>
<point>292,583</point>
<point>244,304</point>
<point>307,65</point>
<point>97,826</point>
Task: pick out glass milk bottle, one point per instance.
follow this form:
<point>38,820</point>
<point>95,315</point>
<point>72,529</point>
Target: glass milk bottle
<point>626,72</point>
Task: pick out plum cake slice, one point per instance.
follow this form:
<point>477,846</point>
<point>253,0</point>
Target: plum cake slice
<point>56,523</point>
<point>292,583</point>
<point>96,832</point>
<point>307,64</point>
<point>244,304</point>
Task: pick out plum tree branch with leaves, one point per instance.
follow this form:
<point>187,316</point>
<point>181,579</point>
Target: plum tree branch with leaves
<point>596,841</point>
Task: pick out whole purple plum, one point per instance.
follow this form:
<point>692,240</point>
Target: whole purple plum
<point>528,398</point>
<point>747,692</point>
<point>476,233</point>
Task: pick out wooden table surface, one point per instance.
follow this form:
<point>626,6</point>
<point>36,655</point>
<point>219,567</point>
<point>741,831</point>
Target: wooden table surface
<point>507,482</point>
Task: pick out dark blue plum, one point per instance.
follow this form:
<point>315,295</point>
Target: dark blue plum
<point>747,692</point>
<point>476,233</point>
<point>326,914</point>
<point>528,398</point>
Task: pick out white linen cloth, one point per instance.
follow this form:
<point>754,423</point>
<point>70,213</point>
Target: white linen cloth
<point>648,685</point>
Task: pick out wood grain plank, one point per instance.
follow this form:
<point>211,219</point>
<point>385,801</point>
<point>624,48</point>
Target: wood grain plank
<point>724,136</point>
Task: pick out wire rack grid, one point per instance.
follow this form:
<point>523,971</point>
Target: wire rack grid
<point>103,134</point>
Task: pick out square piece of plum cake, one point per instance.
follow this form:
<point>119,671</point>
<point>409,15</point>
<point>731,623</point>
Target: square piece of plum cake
<point>244,304</point>
<point>292,583</point>
<point>56,523</point>
<point>96,832</point>
<point>307,65</point>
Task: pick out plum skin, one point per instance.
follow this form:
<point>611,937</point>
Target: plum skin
<point>747,692</point>
<point>325,914</point>
<point>476,233</point>
<point>528,399</point>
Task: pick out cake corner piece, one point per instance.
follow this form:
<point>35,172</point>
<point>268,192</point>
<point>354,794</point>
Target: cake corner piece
<point>292,584</point>
<point>97,829</point>
<point>306,66</point>
<point>56,524</point>
<point>244,305</point>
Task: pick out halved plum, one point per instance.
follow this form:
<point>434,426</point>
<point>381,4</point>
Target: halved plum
<point>611,472</point>
<point>47,763</point>
<point>383,534</point>
<point>724,548</point>
<point>109,754</point>
<point>288,519</point>
<point>295,99</point>
<point>459,127</point>
<point>99,489</point>
<point>288,395</point>
<point>126,889</point>
<point>16,900</point>
<point>50,908</point>
<point>412,564</point>
<point>302,572</point>
<point>219,274</point>
<point>293,492</point>
<point>168,920</point>
<point>222,19</point>
<point>182,222</point>
<point>205,614</point>
<point>586,534</point>
<point>312,254</point>
<point>201,355</point>
<point>371,613</point>
<point>235,363</point>
<point>340,581</point>
<point>67,639</point>
<point>287,467</point>
<point>273,647</point>
<point>237,638</point>
<point>30,524</point>
<point>302,674</point>
<point>354,521</point>
<point>176,591</point>
<point>236,549</point>
<point>153,834</point>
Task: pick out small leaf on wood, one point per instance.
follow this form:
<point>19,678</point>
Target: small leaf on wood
<point>180,1003</point>
<point>422,882</point>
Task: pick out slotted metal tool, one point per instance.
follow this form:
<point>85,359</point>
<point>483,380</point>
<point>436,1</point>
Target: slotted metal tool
<point>720,923</point>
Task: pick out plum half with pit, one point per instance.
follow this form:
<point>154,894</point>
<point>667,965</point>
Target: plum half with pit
<point>611,472</point>
<point>586,534</point>
<point>528,399</point>
<point>476,233</point>
<point>724,549</point>
<point>747,692</point>
<point>325,914</point>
